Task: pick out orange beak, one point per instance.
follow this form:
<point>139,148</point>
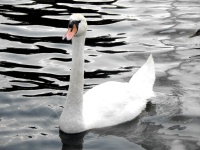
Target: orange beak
<point>70,33</point>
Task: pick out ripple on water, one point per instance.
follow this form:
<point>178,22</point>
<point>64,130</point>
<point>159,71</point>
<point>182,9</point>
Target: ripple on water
<point>35,65</point>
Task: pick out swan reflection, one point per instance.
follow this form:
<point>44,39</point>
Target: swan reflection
<point>72,141</point>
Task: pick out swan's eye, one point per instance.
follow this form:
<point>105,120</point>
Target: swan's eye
<point>73,22</point>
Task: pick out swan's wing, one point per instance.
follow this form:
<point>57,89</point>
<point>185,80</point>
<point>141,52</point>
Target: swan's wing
<point>111,103</point>
<point>143,80</point>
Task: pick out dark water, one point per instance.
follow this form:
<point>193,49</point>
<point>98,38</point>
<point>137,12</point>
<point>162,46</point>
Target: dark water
<point>35,65</point>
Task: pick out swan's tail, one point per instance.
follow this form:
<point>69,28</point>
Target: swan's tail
<point>143,80</point>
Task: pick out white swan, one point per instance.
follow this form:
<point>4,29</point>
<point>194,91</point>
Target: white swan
<point>107,104</point>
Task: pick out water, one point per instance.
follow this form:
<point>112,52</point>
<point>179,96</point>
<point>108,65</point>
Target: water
<point>35,64</point>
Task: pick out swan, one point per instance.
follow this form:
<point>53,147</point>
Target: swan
<point>108,104</point>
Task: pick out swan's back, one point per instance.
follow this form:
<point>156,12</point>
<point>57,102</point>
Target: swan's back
<point>113,102</point>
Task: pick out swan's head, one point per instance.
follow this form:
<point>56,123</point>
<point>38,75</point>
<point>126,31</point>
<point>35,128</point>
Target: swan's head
<point>196,34</point>
<point>77,26</point>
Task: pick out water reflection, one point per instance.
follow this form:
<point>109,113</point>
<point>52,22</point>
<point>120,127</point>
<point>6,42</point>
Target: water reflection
<point>72,141</point>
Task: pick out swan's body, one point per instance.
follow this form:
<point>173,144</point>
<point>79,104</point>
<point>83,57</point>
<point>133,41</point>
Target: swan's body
<point>107,104</point>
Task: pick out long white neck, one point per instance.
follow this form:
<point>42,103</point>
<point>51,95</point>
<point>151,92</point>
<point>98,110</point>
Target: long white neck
<point>71,120</point>
<point>77,72</point>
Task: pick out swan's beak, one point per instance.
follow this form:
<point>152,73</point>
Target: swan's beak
<point>70,33</point>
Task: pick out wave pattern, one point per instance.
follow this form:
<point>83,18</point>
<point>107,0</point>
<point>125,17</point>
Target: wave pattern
<point>35,64</point>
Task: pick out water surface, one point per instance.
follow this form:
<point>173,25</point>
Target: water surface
<point>35,64</point>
